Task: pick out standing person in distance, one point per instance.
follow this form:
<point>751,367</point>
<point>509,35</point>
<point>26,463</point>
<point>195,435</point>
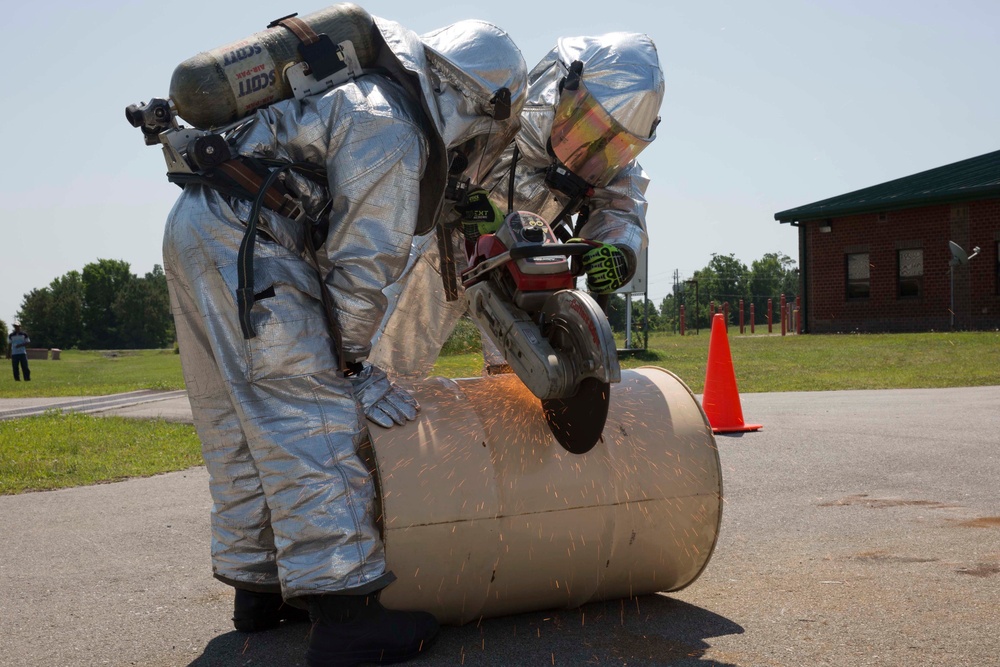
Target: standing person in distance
<point>18,341</point>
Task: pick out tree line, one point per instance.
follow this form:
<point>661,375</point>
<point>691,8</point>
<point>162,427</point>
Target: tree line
<point>103,307</point>
<point>725,279</point>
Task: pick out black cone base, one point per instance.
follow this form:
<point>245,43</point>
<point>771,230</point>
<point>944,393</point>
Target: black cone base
<point>577,422</point>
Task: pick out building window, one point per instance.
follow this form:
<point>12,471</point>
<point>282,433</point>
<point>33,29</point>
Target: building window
<point>998,268</point>
<point>911,272</point>
<point>858,276</point>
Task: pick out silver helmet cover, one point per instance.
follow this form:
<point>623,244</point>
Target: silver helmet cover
<point>624,83</point>
<point>471,62</point>
<point>460,69</point>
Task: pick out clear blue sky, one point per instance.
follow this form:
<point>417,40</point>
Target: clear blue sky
<point>769,105</point>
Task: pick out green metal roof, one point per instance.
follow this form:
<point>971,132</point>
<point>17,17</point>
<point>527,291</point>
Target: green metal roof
<point>975,178</point>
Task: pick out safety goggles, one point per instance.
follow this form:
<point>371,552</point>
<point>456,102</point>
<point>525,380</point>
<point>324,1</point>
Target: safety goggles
<point>588,140</point>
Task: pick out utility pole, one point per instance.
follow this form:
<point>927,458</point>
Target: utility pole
<point>694,281</point>
<point>677,297</point>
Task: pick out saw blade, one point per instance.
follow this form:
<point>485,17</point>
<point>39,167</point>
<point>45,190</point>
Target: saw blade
<point>578,421</point>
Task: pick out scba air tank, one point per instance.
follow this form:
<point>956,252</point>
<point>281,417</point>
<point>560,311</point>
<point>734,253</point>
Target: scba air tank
<point>218,87</point>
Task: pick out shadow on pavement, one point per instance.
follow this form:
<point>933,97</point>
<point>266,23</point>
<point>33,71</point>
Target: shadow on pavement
<point>649,630</point>
<point>274,648</point>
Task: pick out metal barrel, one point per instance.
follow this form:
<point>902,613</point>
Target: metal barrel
<point>484,514</point>
<point>220,86</point>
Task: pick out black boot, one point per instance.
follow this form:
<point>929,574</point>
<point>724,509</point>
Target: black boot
<point>253,612</point>
<point>351,629</point>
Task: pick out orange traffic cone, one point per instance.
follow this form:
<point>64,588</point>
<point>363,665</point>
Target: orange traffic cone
<point>721,400</point>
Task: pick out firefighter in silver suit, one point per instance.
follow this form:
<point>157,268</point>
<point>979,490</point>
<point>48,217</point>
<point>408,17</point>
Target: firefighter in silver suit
<point>281,417</point>
<point>592,107</point>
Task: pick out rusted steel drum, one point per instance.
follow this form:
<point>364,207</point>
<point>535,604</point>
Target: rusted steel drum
<point>220,86</point>
<point>484,514</point>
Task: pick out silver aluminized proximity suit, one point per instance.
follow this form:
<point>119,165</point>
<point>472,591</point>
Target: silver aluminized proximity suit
<point>621,72</point>
<point>280,425</point>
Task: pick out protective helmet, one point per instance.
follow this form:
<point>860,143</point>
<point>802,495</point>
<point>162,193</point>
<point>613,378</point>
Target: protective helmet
<point>605,93</point>
<point>480,82</point>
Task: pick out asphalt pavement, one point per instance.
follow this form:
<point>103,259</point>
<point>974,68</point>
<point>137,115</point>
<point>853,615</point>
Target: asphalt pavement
<point>859,528</point>
<point>145,404</point>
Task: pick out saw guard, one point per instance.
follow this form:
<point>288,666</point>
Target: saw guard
<point>544,371</point>
<point>573,323</point>
<point>574,340</point>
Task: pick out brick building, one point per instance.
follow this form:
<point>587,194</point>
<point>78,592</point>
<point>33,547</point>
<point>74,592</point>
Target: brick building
<point>878,259</point>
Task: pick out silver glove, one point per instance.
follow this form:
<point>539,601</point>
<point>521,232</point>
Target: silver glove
<point>383,402</point>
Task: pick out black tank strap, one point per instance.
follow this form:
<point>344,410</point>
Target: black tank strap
<point>255,180</point>
<point>244,262</point>
<point>245,287</point>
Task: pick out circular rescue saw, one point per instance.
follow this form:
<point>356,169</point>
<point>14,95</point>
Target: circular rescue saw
<point>556,338</point>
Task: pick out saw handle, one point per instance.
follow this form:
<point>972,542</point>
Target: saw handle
<point>475,273</point>
<point>576,268</point>
<point>549,249</point>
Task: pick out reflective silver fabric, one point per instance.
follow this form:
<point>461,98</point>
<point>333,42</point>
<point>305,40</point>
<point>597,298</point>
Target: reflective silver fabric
<point>420,318</point>
<point>468,118</point>
<point>622,71</point>
<point>292,501</point>
<point>456,71</point>
<point>280,427</point>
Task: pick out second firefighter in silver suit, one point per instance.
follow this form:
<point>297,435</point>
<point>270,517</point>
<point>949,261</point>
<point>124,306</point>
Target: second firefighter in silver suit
<point>593,132</point>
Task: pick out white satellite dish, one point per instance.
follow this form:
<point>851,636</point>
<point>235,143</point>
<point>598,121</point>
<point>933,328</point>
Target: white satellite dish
<point>958,254</point>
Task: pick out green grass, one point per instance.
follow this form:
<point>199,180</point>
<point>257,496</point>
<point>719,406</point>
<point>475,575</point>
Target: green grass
<point>58,450</point>
<point>762,363</point>
<point>815,362</point>
<point>96,373</point>
<point>860,361</point>
<point>61,450</point>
